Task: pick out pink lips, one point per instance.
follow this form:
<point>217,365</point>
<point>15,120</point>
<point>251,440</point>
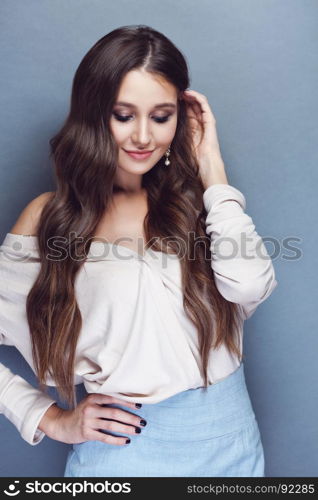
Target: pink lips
<point>139,156</point>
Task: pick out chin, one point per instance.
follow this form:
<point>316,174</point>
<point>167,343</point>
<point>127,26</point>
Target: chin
<point>136,167</point>
<point>134,171</point>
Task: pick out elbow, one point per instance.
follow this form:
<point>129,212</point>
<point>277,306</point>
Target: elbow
<point>256,291</point>
<point>253,290</point>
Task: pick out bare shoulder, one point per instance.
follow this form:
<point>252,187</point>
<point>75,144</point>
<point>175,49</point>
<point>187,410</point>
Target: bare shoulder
<point>27,221</point>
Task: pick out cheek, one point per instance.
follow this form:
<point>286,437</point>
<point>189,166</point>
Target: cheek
<point>117,131</point>
<point>167,132</point>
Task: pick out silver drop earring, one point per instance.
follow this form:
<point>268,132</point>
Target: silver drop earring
<point>167,153</point>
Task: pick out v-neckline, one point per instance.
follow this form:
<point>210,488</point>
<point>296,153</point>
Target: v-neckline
<point>136,254</point>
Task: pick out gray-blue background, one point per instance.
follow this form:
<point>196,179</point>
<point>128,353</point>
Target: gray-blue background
<point>257,62</point>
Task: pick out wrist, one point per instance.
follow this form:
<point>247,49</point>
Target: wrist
<point>212,171</point>
<point>48,420</point>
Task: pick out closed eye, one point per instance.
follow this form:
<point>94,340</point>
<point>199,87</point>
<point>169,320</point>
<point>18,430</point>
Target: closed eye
<point>125,118</point>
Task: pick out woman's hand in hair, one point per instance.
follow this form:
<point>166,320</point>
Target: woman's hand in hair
<point>87,421</point>
<point>204,136</point>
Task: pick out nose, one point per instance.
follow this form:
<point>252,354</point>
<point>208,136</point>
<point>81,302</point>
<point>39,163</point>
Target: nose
<point>142,134</point>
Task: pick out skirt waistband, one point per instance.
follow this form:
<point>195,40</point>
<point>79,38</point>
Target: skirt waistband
<point>214,393</point>
<point>222,408</point>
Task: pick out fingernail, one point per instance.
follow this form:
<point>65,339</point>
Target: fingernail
<point>143,422</point>
<point>138,405</point>
<point>127,441</point>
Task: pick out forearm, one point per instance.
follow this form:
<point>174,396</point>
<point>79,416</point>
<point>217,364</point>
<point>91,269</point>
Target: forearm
<point>49,419</point>
<point>212,171</point>
<point>245,276</point>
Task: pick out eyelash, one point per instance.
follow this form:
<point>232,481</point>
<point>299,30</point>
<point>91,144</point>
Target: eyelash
<point>158,119</point>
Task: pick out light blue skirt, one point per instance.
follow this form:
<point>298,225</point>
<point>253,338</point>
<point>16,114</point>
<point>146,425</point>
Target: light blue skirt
<point>195,433</point>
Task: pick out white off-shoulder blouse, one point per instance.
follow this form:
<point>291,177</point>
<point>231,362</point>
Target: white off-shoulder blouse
<point>136,342</point>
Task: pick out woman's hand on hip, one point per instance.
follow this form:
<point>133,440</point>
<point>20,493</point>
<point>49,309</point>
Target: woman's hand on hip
<point>91,416</point>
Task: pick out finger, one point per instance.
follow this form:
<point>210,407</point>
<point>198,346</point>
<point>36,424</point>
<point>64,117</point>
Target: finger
<point>105,399</point>
<point>108,438</point>
<point>194,117</point>
<point>194,110</point>
<point>119,415</point>
<point>204,105</point>
<point>113,426</point>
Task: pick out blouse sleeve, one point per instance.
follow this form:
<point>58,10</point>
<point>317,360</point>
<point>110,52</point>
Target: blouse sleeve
<point>20,402</point>
<point>243,271</point>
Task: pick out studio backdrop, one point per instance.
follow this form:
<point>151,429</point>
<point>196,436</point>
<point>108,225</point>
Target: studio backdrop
<point>256,61</point>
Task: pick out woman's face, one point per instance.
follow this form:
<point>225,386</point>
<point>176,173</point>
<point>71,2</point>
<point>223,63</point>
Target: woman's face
<point>147,120</point>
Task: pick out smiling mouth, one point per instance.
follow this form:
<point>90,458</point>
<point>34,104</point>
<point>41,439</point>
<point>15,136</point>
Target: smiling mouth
<point>139,155</point>
<point>140,152</point>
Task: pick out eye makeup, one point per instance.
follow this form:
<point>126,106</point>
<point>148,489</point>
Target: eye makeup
<point>125,118</point>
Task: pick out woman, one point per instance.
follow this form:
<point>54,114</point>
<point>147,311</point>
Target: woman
<point>135,277</point>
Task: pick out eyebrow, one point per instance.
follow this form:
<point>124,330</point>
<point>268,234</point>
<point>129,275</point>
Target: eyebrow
<point>162,105</point>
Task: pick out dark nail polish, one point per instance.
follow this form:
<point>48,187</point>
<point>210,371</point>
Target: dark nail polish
<point>138,405</point>
<point>127,441</point>
<point>143,422</point>
<point>137,430</point>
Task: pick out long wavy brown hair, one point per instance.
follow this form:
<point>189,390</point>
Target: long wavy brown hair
<point>85,156</point>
